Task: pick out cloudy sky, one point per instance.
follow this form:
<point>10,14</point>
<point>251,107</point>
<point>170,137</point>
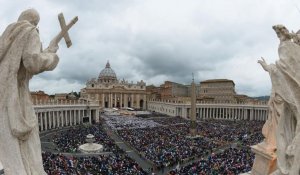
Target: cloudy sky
<point>159,40</point>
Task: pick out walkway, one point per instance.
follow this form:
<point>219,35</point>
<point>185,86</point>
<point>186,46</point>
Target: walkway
<point>129,150</point>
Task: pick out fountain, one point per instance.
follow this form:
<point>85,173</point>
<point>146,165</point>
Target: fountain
<point>90,146</point>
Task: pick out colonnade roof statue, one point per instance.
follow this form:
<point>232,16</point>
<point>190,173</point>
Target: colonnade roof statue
<point>21,57</point>
<point>282,129</point>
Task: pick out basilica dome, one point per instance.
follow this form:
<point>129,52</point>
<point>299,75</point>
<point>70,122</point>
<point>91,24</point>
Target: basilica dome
<point>107,75</point>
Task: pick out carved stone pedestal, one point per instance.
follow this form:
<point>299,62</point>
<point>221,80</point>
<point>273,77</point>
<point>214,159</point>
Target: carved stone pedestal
<point>264,162</point>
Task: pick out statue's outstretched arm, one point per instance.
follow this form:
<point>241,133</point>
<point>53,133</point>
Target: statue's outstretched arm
<point>263,64</point>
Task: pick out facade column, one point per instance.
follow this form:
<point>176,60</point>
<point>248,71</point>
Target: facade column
<point>110,100</point>
<point>82,115</point>
<point>78,116</point>
<point>46,122</point>
<point>227,113</point>
<point>125,100</point>
<point>71,118</point>
<point>200,114</point>
<point>58,118</point>
<point>90,116</point>
<point>65,118</point>
<point>121,100</point>
<point>61,120</point>
<point>54,119</point>
<point>132,101</point>
<point>138,100</point>
<point>115,102</point>
<point>97,115</point>
<point>75,116</point>
<point>50,119</point>
<point>41,120</point>
<point>103,100</point>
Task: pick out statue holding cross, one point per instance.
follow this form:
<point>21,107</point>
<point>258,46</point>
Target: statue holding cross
<point>21,57</point>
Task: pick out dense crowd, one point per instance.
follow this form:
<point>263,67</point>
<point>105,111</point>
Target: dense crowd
<point>170,120</point>
<point>119,164</point>
<point>69,140</point>
<point>252,139</point>
<point>229,162</point>
<point>228,131</point>
<point>166,146</point>
<point>163,141</point>
<point>128,122</point>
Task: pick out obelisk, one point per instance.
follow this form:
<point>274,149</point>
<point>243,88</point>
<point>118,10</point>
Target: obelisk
<point>193,128</point>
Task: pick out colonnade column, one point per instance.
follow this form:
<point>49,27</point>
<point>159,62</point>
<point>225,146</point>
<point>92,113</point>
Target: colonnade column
<point>125,100</point>
<point>42,122</point>
<point>115,102</point>
<point>90,116</point>
<point>121,99</point>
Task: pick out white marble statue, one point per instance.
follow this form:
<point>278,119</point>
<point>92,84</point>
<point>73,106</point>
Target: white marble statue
<point>21,57</point>
<point>285,104</point>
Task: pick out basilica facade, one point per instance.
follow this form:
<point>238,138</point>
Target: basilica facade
<point>110,92</point>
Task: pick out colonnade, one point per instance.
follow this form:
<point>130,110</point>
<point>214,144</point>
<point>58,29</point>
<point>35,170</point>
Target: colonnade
<point>232,113</point>
<point>52,117</point>
<point>212,111</point>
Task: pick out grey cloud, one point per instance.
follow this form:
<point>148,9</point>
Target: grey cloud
<point>157,41</point>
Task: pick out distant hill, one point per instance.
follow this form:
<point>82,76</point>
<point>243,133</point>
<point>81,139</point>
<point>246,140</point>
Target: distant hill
<point>262,98</point>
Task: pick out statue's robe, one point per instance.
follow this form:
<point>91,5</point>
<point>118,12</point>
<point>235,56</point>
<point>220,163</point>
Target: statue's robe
<point>285,76</point>
<point>21,57</point>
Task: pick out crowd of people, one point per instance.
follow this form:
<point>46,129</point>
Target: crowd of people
<point>170,120</point>
<point>128,122</point>
<point>230,162</point>
<point>161,140</point>
<point>252,139</point>
<point>119,164</point>
<point>69,140</point>
<point>168,144</point>
<point>165,146</point>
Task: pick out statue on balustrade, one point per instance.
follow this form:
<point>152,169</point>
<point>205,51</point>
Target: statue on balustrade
<point>21,57</point>
<point>282,129</point>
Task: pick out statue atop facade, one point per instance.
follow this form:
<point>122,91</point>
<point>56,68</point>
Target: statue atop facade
<point>21,57</point>
<point>284,115</point>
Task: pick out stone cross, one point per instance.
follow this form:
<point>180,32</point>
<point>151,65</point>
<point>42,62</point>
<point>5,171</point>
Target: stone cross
<point>65,28</point>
